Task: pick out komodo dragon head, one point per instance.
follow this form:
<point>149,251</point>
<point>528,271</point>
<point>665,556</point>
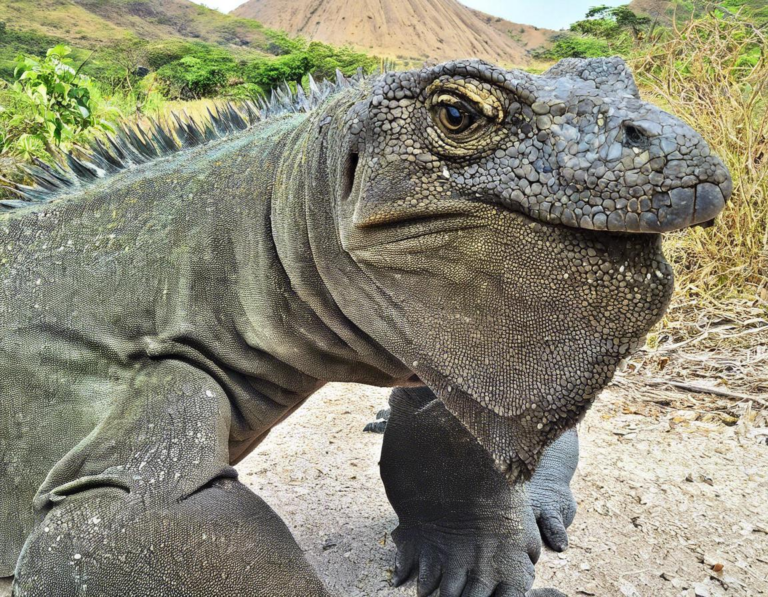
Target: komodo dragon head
<point>507,227</point>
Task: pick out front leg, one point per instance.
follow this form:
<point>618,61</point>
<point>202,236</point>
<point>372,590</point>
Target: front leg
<point>463,528</point>
<point>147,506</point>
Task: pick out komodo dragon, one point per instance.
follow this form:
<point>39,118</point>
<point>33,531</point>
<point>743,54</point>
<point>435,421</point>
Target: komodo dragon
<point>167,299</point>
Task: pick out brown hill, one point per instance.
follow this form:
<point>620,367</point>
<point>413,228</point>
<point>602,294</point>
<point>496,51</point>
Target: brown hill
<point>529,36</point>
<point>404,29</point>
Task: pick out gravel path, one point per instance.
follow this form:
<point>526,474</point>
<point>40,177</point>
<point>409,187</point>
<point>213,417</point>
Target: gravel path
<point>662,499</point>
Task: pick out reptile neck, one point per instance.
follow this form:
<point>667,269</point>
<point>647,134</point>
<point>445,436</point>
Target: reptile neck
<point>304,232</point>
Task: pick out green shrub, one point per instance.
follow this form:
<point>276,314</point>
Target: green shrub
<point>606,31</point>
<point>14,42</point>
<point>165,52</point>
<point>280,44</point>
<point>50,104</point>
<point>325,59</point>
<point>270,73</point>
<point>568,45</point>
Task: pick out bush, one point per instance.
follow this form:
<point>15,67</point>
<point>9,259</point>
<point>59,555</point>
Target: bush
<point>50,104</point>
<point>325,59</point>
<point>568,45</point>
<point>14,42</point>
<point>161,53</point>
<point>605,31</point>
<point>195,77</point>
<point>280,44</point>
<point>270,73</point>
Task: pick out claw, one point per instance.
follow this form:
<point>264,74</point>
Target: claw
<point>553,532</point>
<point>477,587</point>
<point>453,583</point>
<point>404,565</point>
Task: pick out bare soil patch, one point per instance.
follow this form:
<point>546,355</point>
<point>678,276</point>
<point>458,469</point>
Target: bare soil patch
<point>672,500</point>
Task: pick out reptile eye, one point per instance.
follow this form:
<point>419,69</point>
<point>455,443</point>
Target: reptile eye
<point>454,119</point>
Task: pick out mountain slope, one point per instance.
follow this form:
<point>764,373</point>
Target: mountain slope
<point>404,29</point>
<point>91,23</point>
<point>528,35</point>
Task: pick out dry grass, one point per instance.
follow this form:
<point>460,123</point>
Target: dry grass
<point>701,73</point>
<point>713,73</point>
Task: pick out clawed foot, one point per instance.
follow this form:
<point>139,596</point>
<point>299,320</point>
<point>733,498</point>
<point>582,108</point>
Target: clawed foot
<point>468,564</point>
<point>550,492</point>
<point>554,511</point>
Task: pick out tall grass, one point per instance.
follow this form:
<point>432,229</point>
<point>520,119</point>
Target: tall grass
<point>713,73</point>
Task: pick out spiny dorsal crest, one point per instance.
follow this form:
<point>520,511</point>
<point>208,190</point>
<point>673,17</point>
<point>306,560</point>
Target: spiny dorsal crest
<point>134,144</point>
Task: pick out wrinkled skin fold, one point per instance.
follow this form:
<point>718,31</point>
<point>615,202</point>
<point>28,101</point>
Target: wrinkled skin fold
<point>489,233</point>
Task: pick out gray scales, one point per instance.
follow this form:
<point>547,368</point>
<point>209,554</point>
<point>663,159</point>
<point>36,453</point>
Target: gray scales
<point>167,299</point>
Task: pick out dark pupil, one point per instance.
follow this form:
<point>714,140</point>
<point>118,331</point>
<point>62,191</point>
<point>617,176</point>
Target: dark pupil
<point>454,117</point>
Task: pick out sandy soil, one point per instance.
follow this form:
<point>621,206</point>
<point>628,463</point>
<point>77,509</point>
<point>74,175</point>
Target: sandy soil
<point>662,500</point>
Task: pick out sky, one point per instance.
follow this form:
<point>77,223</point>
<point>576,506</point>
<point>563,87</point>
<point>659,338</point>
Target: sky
<point>552,14</point>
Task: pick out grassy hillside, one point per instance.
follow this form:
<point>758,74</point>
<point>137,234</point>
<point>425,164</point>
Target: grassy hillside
<point>128,58</point>
<point>92,26</point>
<point>92,23</point>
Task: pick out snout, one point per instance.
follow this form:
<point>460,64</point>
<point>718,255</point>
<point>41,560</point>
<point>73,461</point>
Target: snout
<point>683,207</point>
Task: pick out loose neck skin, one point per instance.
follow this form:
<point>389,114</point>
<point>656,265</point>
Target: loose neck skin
<point>304,230</point>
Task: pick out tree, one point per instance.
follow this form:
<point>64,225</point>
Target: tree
<point>606,21</point>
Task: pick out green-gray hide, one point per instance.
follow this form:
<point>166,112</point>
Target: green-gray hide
<point>490,233</point>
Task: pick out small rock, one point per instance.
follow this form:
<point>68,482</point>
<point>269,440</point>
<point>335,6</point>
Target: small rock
<point>628,590</point>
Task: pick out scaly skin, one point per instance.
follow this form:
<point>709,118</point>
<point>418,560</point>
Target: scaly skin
<point>157,324</point>
<point>462,526</point>
<point>549,489</point>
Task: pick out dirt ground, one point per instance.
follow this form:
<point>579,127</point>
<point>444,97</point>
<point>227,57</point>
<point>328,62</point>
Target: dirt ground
<point>667,497</point>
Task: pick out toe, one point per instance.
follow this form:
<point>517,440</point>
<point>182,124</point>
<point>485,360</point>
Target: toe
<point>553,531</point>
<point>505,590</point>
<point>404,564</point>
<point>477,587</point>
<point>430,573</point>
<point>453,582</point>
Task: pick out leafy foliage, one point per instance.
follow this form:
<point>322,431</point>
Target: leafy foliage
<point>605,31</point>
<point>51,103</point>
<point>616,20</point>
<point>202,74</point>
<point>14,42</point>
<point>197,70</point>
<point>567,45</point>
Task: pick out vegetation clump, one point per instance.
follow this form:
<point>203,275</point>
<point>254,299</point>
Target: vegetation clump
<point>51,104</point>
<point>713,73</point>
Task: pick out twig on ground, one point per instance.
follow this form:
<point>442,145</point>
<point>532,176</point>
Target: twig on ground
<point>693,387</point>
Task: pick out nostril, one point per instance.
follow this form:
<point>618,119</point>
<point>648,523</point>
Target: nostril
<point>634,136</point>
